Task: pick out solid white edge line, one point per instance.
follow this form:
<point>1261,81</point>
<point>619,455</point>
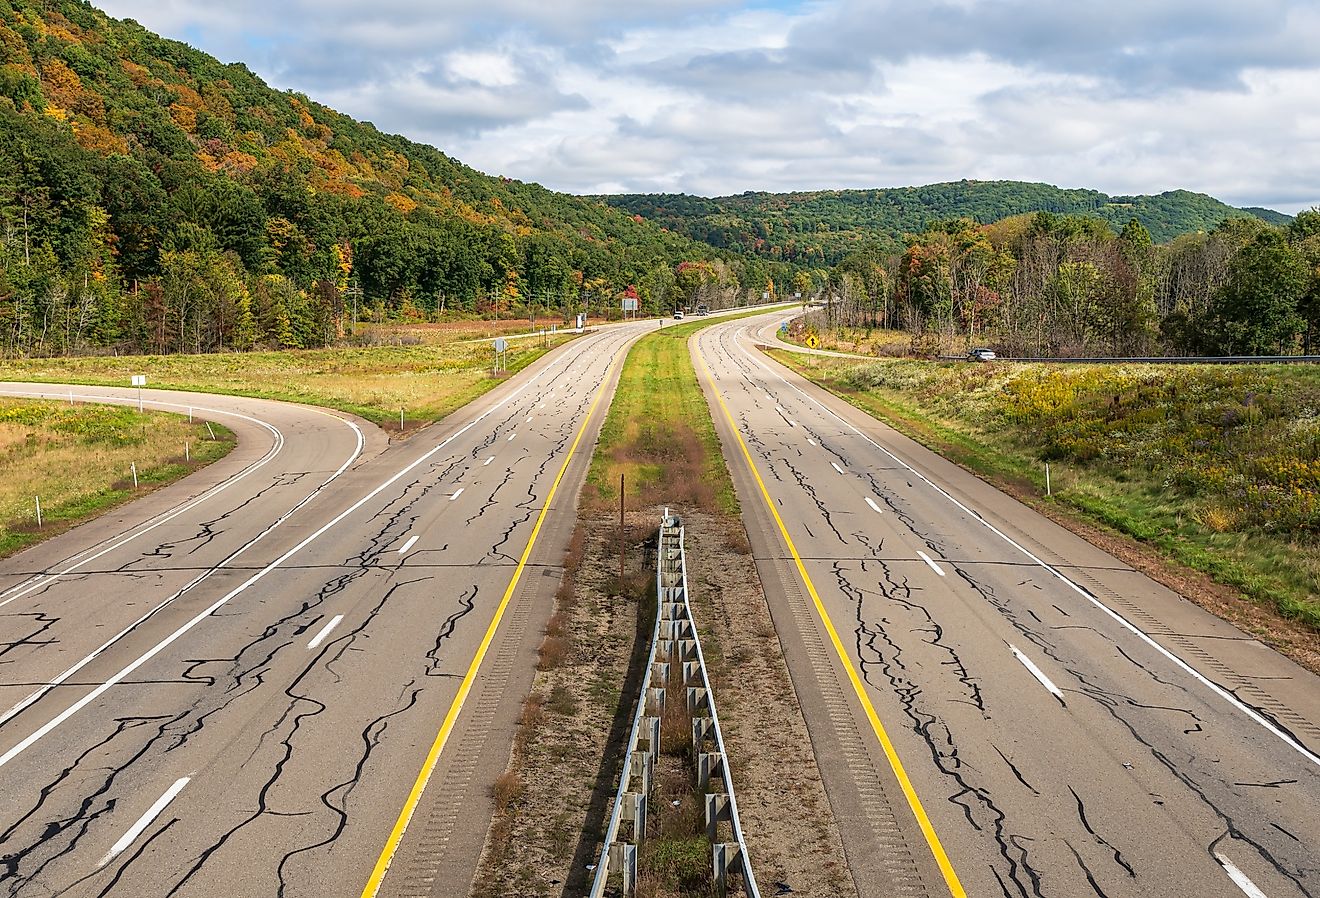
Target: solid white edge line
<point>155,650</point>
<point>409,544</point>
<point>1240,879</point>
<point>21,589</point>
<point>144,821</point>
<point>457,494</point>
<point>836,467</point>
<point>1122,621</point>
<point>325,631</point>
<point>871,502</point>
<point>35,695</point>
<point>930,561</point>
<point>1038,674</point>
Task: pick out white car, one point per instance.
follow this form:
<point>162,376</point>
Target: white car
<point>981,355</point>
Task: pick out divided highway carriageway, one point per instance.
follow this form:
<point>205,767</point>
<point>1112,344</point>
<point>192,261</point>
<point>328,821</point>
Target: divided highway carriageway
<point>298,672</point>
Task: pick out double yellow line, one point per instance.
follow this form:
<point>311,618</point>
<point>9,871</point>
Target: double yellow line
<point>465,687</point>
<point>923,821</point>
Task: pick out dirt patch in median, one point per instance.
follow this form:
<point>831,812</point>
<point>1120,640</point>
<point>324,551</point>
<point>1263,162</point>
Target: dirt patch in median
<point>554,801</point>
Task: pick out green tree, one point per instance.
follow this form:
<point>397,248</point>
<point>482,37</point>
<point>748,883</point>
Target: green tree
<point>1257,311</point>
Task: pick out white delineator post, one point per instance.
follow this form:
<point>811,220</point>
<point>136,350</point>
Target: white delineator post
<point>38,512</point>
<point>135,480</point>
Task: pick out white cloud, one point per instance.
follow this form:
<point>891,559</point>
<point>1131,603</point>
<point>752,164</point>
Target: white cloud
<point>716,96</point>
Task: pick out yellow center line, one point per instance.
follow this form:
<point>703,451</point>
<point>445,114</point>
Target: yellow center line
<point>433,756</point>
<point>923,821</point>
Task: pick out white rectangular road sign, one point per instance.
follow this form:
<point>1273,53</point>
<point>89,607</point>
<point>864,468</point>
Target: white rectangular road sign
<point>501,344</point>
<point>139,380</point>
<point>630,304</point>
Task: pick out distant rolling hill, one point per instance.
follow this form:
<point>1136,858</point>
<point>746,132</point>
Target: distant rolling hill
<point>820,227</point>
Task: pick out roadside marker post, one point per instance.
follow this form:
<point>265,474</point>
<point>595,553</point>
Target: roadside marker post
<point>38,512</point>
<point>1048,489</point>
<point>135,480</point>
<point>139,381</point>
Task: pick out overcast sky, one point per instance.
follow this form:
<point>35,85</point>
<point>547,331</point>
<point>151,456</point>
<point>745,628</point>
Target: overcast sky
<point>714,97</point>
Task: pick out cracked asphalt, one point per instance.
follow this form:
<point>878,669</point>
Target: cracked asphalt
<point>1068,726</point>
<point>229,687</point>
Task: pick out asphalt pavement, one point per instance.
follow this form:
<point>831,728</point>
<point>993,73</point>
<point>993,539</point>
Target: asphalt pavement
<point>240,685</point>
<point>998,707</point>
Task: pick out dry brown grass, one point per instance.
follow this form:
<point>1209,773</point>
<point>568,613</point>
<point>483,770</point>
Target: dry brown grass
<point>429,378</point>
<point>551,653</point>
<point>507,789</point>
<point>79,458</point>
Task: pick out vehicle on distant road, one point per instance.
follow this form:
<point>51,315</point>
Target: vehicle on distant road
<point>981,355</point>
<point>703,310</point>
<point>678,313</point>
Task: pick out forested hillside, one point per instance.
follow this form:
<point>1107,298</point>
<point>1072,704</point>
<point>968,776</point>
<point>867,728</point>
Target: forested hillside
<point>155,199</point>
<point>822,227</point>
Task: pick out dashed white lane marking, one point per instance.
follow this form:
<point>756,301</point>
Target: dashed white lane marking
<point>933,566</point>
<point>792,423</point>
<point>457,494</point>
<point>1038,674</point>
<point>811,441</point>
<point>488,461</point>
<point>1247,711</point>
<point>835,464</point>
<point>334,622</point>
<point>871,502</point>
<point>512,435</point>
<point>529,420</point>
<point>542,405</point>
<point>144,821</point>
<point>408,545</point>
<point>1239,878</point>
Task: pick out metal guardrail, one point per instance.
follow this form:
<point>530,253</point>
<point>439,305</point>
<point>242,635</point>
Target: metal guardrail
<point>1159,360</point>
<point>674,645</point>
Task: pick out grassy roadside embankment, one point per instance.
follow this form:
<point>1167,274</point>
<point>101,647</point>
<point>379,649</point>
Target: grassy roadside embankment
<point>1216,467</point>
<point>552,803</point>
<point>78,459</point>
<point>432,373</point>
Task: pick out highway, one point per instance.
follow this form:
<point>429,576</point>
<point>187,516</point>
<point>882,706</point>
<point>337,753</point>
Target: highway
<point>240,684</point>
<point>297,672</point>
<point>998,707</point>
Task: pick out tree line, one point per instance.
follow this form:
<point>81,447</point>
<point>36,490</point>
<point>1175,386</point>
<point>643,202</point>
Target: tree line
<point>1050,285</point>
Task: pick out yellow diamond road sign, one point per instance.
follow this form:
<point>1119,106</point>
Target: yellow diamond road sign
<point>813,342</point>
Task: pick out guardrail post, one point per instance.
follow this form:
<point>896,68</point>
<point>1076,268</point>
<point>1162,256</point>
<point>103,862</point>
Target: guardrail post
<point>726,857</point>
<point>709,763</point>
<point>717,809</point>
<point>634,809</point>
<point>701,728</point>
<point>624,857</point>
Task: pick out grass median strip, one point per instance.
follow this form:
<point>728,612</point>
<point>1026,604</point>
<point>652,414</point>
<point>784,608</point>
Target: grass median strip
<point>1216,468</point>
<point>552,804</point>
<point>79,459</point>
